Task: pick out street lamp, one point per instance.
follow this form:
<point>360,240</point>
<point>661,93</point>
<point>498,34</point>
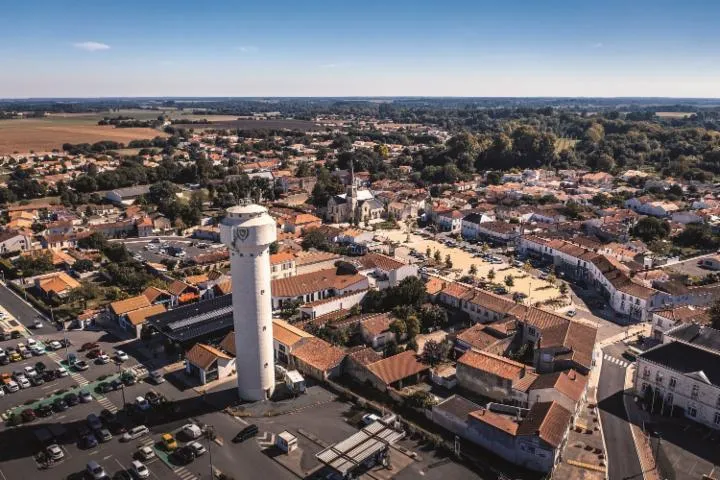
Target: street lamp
<point>209,433</point>
<point>122,384</point>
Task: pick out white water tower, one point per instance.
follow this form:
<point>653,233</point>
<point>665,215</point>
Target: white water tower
<point>248,230</point>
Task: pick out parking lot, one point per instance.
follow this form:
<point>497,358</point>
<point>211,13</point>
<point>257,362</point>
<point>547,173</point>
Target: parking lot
<point>155,250</point>
<point>537,289</point>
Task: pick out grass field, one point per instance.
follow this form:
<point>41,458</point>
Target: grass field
<point>46,134</point>
<point>673,114</point>
<point>563,143</point>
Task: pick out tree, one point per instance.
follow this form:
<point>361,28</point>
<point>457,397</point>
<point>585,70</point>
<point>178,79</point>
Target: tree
<point>83,265</point>
<point>95,241</point>
<point>437,256</point>
<point>410,291</point>
<point>314,239</point>
<point>428,252</point>
<point>434,352</point>
<point>433,316</point>
<point>651,228</point>
<point>413,326</point>
<point>391,348</point>
<point>509,281</point>
<point>551,279</point>
<point>399,328</point>
<point>290,308</point>
<point>116,252</point>
<point>421,399</point>
<point>448,261</point>
<point>491,274</point>
<point>563,288</point>
<point>473,270</point>
<point>274,247</point>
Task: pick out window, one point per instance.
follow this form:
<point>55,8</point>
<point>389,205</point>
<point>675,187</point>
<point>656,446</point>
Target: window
<point>658,377</point>
<point>673,382</point>
<point>669,399</point>
<point>646,373</point>
<point>694,392</point>
<point>692,411</point>
<point>716,418</point>
<point>531,331</point>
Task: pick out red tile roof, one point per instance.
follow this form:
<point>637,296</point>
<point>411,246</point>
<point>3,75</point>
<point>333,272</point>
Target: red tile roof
<point>397,367</point>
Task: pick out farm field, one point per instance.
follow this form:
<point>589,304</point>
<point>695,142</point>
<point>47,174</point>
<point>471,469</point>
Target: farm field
<point>46,134</point>
<point>674,114</point>
<point>564,144</point>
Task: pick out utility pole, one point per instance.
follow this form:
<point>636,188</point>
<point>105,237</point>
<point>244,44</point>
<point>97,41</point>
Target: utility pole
<point>210,436</point>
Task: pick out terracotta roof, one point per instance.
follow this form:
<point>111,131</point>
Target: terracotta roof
<point>365,356</point>
<point>397,367</point>
<point>524,383</point>
<point>685,313</point>
<point>379,261</point>
<point>501,422</point>
<point>304,218</point>
<point>548,420</point>
<point>477,337</point>
<point>434,285</point>
<point>177,287</point>
<point>59,282</point>
<point>288,334</point>
<point>224,287</point>
<point>491,363</point>
<point>281,257</point>
<point>122,307</point>
<point>319,354</point>
<point>203,356</point>
<point>152,293</point>
<point>307,258</point>
<point>197,279</point>
<point>313,282</point>
<point>227,344</point>
<point>137,317</point>
<point>377,324</point>
<point>569,383</point>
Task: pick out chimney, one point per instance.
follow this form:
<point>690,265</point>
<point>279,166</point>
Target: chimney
<point>571,375</point>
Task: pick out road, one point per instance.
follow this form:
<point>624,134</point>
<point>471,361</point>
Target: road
<point>623,462</point>
<point>22,311</point>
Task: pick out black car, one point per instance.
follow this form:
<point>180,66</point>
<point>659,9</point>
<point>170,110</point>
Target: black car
<point>15,334</point>
<point>4,360</point>
<point>40,367</point>
<point>36,380</point>
<point>71,399</point>
<point>44,411</point>
<point>49,375</point>
<point>116,384</point>
<point>247,432</point>
<point>153,398</point>
<point>88,441</point>
<point>107,416</point>
<point>128,379</point>
<point>64,342</point>
<point>104,387</point>
<point>116,427</point>
<point>185,454</point>
<point>60,405</point>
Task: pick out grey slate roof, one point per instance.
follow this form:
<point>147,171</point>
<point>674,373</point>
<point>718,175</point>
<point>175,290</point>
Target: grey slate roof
<point>686,359</point>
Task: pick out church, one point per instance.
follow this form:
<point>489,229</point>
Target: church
<point>354,206</point>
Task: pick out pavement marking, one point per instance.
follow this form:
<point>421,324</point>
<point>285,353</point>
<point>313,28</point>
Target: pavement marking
<point>616,361</point>
<point>267,440</point>
<point>105,458</point>
<point>93,452</point>
<point>105,402</point>
<point>3,475</point>
<point>184,473</point>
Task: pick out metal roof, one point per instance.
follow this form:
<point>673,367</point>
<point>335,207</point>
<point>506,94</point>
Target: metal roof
<point>196,320</point>
<point>351,452</point>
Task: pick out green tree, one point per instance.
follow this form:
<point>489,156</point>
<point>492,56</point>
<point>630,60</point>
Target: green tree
<point>410,291</point>
<point>437,256</point>
<point>648,229</point>
<point>34,264</point>
<point>563,288</point>
<point>448,261</point>
<point>95,241</point>
<point>433,316</point>
<point>399,328</point>
<point>421,400</point>
<point>413,326</point>
<point>491,274</point>
<point>314,239</point>
<point>428,252</point>
<point>473,270</point>
<point>509,281</point>
<point>435,352</point>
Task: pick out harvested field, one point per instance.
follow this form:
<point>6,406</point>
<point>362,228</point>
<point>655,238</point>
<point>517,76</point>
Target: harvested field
<point>674,114</point>
<point>46,134</point>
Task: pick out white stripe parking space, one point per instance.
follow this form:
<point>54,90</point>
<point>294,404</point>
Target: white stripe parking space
<point>106,403</point>
<point>616,361</point>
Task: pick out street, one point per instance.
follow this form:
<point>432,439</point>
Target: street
<point>623,462</point>
<point>22,311</point>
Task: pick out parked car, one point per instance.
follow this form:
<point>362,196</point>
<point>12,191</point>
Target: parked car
<point>71,399</point>
<point>116,384</point>
<point>95,353</point>
<point>169,442</point>
<point>153,398</point>
<point>11,386</point>
<point>27,415</point>
<point>62,372</point>
<point>88,441</point>
<point>141,403</point>
<point>369,418</point>
<point>54,345</point>
<point>184,455</point>
<point>30,372</point>
<point>139,470</point>
<point>191,431</point>
<point>247,432</point>
<point>43,410</point>
<point>197,448</point>
<point>95,470</point>
<point>146,453</point>
<point>157,377</point>
<point>104,387</point>
<point>24,383</point>
<point>104,435</point>
<point>103,359</point>
<point>107,416</point>
<point>121,356</point>
<point>49,375</point>
<point>40,367</point>
<point>60,405</point>
<point>135,432</point>
<point>81,365</point>
<point>94,422</point>
<point>4,359</point>
<point>85,396</point>
<point>36,381</point>
<point>55,452</point>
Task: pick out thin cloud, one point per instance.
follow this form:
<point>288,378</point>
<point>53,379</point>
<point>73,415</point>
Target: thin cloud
<point>91,46</point>
<point>247,49</point>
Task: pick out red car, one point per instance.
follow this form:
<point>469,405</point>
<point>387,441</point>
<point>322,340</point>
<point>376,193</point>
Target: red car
<point>95,353</point>
<point>28,415</point>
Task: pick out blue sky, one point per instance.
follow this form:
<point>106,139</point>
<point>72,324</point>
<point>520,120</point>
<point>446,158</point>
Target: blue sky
<point>392,47</point>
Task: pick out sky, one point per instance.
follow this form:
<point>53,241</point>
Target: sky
<point>666,48</point>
